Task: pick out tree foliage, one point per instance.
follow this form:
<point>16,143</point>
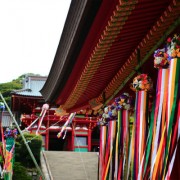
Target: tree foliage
<point>6,89</point>
<point>20,172</point>
<point>21,152</point>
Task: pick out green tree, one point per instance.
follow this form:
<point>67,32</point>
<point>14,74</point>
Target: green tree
<point>6,89</point>
<point>20,172</point>
<point>22,154</point>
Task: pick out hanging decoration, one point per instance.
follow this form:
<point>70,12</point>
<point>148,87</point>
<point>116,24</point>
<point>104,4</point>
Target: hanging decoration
<point>109,114</point>
<point>114,125</point>
<point>142,82</point>
<point>173,47</point>
<point>124,101</point>
<point>108,159</point>
<point>43,113</point>
<point>124,104</point>
<point>102,149</point>
<point>10,133</point>
<point>2,106</point>
<point>173,96</point>
<point>161,59</point>
<point>160,113</point>
<point>40,118</point>
<point>9,139</point>
<point>149,150</point>
<point>70,118</point>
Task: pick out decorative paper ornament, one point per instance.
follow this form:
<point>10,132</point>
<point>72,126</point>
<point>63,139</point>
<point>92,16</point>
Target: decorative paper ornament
<point>124,101</point>
<point>105,116</point>
<point>142,82</point>
<point>161,59</point>
<point>2,106</point>
<point>10,133</point>
<point>101,123</point>
<point>45,107</point>
<point>173,47</point>
<point>163,56</point>
<point>110,113</point>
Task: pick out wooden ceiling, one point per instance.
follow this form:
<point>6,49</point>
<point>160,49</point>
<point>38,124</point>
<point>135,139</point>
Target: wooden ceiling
<point>121,38</point>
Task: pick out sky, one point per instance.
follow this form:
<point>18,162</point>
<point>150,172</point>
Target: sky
<point>30,31</point>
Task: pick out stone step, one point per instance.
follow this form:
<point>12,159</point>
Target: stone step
<point>66,165</point>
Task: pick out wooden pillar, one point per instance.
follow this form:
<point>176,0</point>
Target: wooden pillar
<point>1,117</point>
<point>13,102</point>
<point>47,137</point>
<point>72,138</point>
<point>89,139</point>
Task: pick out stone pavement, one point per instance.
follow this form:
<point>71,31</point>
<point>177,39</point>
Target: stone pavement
<point>67,165</point>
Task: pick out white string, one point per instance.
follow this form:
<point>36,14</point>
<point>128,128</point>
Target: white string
<point>47,128</point>
<point>65,133</point>
<point>26,129</point>
<point>80,155</point>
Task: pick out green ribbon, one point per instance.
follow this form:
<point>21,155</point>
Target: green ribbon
<point>172,116</point>
<point>148,150</point>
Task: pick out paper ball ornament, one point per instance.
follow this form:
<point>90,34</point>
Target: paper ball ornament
<point>142,82</point>
<point>45,106</point>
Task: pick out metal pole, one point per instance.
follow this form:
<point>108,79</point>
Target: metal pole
<point>25,142</point>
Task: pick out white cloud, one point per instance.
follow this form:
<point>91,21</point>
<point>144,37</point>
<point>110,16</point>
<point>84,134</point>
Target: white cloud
<point>29,35</point>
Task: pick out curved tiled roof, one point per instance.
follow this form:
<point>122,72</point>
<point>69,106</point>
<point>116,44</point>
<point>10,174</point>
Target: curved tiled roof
<point>80,17</point>
<point>31,86</point>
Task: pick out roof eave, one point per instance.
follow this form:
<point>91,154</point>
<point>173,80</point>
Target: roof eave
<point>73,36</point>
